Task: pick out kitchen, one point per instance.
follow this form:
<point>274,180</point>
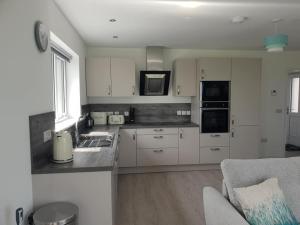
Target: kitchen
<point>204,106</point>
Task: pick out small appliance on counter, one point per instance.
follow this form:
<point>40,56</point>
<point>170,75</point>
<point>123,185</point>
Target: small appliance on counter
<point>89,121</point>
<point>100,118</point>
<point>131,115</point>
<point>116,119</point>
<point>62,147</point>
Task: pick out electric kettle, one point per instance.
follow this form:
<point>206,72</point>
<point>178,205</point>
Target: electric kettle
<point>62,147</point>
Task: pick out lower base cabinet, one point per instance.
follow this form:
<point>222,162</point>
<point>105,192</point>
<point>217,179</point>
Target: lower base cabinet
<point>157,156</point>
<point>188,146</point>
<point>213,155</point>
<point>244,142</point>
<point>93,192</point>
<point>127,148</point>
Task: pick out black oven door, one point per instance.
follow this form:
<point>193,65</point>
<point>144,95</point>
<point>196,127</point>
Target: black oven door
<point>215,91</point>
<point>214,120</point>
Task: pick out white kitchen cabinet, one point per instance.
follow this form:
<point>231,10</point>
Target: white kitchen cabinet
<point>127,148</point>
<point>106,76</point>
<point>157,156</point>
<point>93,192</point>
<point>188,146</point>
<point>123,77</point>
<point>214,69</point>
<point>213,155</point>
<point>157,141</point>
<point>215,139</point>
<point>244,142</point>
<point>98,79</point>
<point>185,76</point>
<point>245,91</point>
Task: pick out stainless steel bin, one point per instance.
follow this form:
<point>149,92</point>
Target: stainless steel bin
<point>56,213</point>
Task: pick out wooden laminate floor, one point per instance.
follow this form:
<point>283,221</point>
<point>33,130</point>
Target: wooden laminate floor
<point>169,198</point>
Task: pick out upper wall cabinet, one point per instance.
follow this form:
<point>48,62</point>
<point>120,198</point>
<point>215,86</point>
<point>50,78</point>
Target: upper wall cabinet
<point>245,91</point>
<point>98,80</point>
<point>184,80</point>
<point>108,76</point>
<point>210,69</point>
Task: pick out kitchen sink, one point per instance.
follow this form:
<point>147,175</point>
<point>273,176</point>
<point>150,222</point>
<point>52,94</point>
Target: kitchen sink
<point>96,140</point>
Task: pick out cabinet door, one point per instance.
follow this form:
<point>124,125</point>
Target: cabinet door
<point>123,77</point>
<point>244,142</point>
<point>185,77</point>
<point>127,147</point>
<point>98,76</point>
<point>214,69</point>
<point>245,91</point>
<point>188,146</point>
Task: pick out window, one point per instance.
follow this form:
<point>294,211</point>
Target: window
<point>60,86</point>
<point>294,93</point>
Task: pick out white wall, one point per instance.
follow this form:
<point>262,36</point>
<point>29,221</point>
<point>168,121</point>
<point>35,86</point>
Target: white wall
<point>275,67</point>
<point>25,89</point>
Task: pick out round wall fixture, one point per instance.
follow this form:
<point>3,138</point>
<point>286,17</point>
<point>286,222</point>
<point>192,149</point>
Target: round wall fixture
<point>41,34</point>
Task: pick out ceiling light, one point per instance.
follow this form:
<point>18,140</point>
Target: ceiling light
<point>112,20</point>
<point>276,42</point>
<point>184,4</point>
<point>239,19</point>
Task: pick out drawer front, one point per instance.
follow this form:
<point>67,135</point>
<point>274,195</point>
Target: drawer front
<point>210,155</point>
<point>157,141</point>
<point>157,131</point>
<point>210,140</point>
<point>157,156</point>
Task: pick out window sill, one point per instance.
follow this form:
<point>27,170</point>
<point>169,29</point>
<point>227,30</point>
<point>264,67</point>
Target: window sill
<point>64,124</point>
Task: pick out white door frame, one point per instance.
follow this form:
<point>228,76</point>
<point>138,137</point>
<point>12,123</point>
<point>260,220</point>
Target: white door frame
<point>291,73</point>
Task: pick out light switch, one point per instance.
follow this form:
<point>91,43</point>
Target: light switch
<point>47,135</point>
<point>178,112</point>
<point>116,113</point>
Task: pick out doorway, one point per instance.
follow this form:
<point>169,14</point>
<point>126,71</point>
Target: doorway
<point>292,146</point>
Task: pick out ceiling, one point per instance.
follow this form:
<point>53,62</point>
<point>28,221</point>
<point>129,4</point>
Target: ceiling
<point>201,24</point>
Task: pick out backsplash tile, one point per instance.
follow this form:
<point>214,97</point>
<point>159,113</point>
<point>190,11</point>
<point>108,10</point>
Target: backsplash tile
<point>148,113</point>
<point>40,151</point>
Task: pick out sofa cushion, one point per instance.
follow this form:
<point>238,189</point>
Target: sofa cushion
<point>264,204</point>
<point>243,173</point>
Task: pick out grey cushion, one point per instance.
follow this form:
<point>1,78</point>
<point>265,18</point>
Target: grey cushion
<point>243,173</point>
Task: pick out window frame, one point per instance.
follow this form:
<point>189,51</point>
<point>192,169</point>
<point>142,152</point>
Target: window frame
<point>65,115</point>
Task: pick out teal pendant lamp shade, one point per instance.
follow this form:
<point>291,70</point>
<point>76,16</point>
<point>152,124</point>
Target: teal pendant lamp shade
<point>276,43</point>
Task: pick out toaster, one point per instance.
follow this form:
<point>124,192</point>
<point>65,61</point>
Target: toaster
<point>116,119</point>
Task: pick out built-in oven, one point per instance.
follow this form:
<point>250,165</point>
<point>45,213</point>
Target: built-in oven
<point>216,91</point>
<point>214,120</point>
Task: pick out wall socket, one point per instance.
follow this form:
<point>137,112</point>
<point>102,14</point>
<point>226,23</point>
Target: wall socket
<point>47,135</point>
<point>183,112</point>
<point>178,112</point>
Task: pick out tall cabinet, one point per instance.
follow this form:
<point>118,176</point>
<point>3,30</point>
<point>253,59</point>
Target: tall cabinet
<point>245,108</point>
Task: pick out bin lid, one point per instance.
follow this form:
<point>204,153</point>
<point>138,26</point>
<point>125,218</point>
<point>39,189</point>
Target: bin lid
<point>56,213</point>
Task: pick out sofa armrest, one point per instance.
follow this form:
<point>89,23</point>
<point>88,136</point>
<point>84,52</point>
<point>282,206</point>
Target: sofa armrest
<point>218,211</point>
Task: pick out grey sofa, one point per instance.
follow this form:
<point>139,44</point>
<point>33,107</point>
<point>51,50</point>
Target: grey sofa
<point>223,209</point>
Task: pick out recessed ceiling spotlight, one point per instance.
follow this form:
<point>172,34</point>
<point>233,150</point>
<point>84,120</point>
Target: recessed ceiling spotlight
<point>112,20</point>
<point>239,19</point>
<point>115,36</point>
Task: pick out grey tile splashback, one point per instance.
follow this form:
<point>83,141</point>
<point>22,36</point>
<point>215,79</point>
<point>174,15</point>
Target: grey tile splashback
<point>40,151</point>
<point>148,113</point>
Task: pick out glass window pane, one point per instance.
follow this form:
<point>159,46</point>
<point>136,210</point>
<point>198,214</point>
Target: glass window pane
<point>294,95</point>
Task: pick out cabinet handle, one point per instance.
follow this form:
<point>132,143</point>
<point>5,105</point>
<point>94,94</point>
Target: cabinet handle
<point>158,137</point>
<point>232,122</point>
<point>109,90</point>
<point>158,130</point>
<point>203,74</point>
<point>158,151</point>
<point>232,134</point>
<point>133,137</point>
<point>215,149</point>
<point>133,90</point>
<point>215,135</point>
<point>178,90</point>
<point>181,134</point>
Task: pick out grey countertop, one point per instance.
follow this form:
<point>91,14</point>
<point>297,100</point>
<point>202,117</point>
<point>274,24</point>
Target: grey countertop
<point>99,159</point>
<point>156,125</point>
<point>87,159</point>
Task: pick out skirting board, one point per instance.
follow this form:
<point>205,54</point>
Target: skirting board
<point>158,169</point>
